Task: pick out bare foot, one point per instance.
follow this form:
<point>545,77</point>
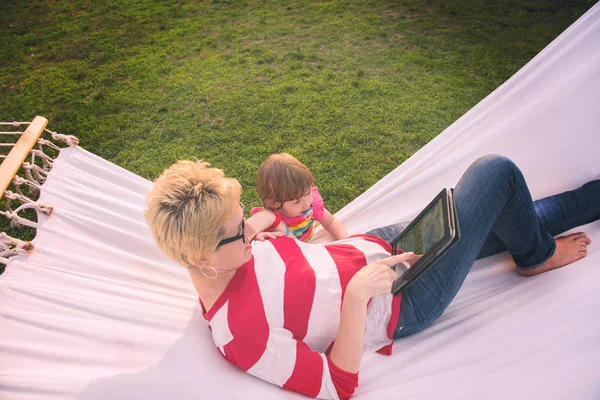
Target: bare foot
<point>568,250</point>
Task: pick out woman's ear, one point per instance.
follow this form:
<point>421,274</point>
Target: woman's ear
<point>203,262</point>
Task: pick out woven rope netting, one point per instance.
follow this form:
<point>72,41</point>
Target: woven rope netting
<point>19,204</point>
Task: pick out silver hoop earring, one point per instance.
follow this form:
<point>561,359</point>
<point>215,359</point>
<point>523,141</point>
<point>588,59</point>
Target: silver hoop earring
<point>209,276</point>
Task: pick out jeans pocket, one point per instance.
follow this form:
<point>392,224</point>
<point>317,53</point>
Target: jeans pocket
<point>425,304</point>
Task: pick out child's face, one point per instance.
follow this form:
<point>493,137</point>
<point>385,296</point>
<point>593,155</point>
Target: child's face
<point>294,208</point>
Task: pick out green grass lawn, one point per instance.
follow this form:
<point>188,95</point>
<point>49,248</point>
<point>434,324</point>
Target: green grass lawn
<point>352,88</point>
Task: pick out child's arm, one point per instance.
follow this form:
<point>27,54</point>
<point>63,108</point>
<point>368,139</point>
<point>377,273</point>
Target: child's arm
<point>333,226</point>
<point>262,236</point>
<point>279,231</point>
<point>283,228</point>
<point>258,223</point>
<point>262,220</point>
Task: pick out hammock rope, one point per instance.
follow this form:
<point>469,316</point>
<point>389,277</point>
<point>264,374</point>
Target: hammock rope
<point>10,247</point>
<point>36,167</point>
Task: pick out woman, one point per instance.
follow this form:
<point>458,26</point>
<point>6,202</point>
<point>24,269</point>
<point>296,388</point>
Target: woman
<point>301,315</point>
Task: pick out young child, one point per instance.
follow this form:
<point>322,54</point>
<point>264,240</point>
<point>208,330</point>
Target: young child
<point>292,205</point>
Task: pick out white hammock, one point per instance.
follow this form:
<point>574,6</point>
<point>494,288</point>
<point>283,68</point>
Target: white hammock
<point>96,311</point>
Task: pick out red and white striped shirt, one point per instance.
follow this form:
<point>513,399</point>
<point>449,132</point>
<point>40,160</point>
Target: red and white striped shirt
<point>279,315</point>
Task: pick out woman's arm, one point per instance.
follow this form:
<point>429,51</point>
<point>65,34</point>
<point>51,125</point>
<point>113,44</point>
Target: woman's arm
<point>333,226</point>
<point>348,347</point>
<point>373,280</point>
<point>279,358</point>
<point>289,363</point>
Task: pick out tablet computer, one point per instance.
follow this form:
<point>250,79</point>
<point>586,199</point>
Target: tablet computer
<point>433,232</point>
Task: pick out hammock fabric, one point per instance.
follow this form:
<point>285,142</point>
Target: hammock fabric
<point>97,312</point>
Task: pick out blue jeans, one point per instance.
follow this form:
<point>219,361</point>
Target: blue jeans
<point>496,213</point>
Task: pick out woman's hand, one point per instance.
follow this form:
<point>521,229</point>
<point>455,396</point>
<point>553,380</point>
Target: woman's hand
<point>262,236</point>
<point>376,278</point>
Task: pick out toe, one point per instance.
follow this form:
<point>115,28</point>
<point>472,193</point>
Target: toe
<point>576,236</point>
<point>583,242</point>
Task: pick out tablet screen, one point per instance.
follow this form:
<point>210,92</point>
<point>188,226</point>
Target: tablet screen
<point>426,233</point>
<point>429,235</point>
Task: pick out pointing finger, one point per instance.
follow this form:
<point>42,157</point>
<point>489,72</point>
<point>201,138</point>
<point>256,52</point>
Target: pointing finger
<point>393,260</point>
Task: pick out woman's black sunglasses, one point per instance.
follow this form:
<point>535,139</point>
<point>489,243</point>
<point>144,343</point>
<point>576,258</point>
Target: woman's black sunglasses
<point>239,236</point>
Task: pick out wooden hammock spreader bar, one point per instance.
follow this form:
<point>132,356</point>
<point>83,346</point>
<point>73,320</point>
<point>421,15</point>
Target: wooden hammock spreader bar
<point>14,160</point>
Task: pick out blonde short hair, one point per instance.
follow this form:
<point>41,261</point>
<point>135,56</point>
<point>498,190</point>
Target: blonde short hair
<point>187,207</point>
<point>280,178</point>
